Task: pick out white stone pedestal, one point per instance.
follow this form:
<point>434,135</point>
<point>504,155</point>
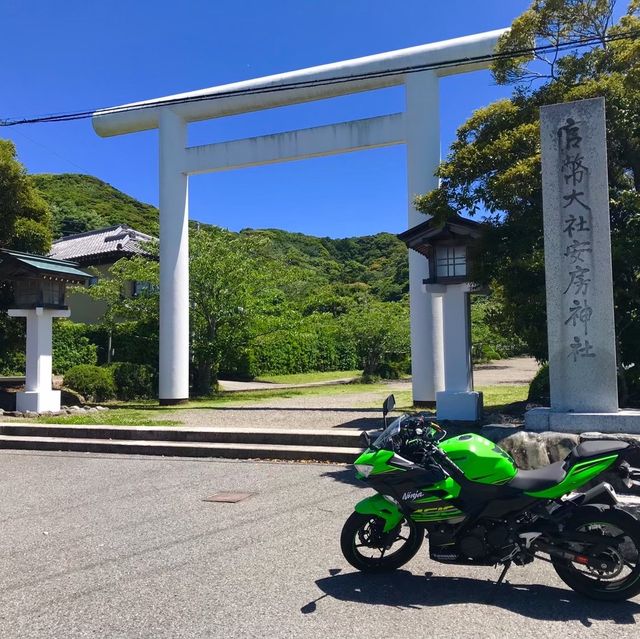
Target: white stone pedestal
<point>38,395</point>
<point>38,401</point>
<point>544,419</point>
<point>465,406</point>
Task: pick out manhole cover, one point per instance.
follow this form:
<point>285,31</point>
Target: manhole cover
<point>228,497</point>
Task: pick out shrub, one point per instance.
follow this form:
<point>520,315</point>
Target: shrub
<point>12,363</point>
<point>94,382</point>
<point>539,389</point>
<point>71,346</point>
<point>134,381</point>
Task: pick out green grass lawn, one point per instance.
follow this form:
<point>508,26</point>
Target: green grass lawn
<point>308,378</point>
<point>498,396</point>
<point>495,397</point>
<point>119,416</point>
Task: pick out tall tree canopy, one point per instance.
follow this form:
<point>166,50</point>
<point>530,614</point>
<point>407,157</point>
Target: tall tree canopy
<point>25,219</point>
<point>494,164</point>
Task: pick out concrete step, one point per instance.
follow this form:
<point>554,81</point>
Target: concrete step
<point>333,437</point>
<point>181,448</point>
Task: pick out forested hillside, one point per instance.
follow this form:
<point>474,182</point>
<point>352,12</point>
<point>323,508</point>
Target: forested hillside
<point>378,262</point>
<point>82,203</point>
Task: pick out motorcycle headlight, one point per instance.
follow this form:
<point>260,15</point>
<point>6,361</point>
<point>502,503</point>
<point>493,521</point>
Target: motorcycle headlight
<point>364,469</point>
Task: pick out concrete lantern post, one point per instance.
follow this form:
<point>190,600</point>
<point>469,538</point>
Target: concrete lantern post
<point>39,292</point>
<point>447,287</point>
<point>419,69</point>
<point>38,395</point>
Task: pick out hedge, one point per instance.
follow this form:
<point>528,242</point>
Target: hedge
<point>96,383</point>
<point>71,346</point>
<point>539,389</point>
<point>134,381</point>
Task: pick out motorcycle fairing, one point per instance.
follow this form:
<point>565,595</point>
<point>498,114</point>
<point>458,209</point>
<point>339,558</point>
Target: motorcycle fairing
<point>381,507</point>
<point>578,475</point>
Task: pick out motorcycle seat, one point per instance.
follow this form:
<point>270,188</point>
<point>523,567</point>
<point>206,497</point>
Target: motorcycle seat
<point>594,448</point>
<point>538,479</point>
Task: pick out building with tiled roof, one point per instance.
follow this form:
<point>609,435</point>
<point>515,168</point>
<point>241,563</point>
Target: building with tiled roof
<point>103,246</point>
<point>100,249</point>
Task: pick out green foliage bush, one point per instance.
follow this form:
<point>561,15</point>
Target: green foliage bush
<point>539,388</point>
<point>134,381</point>
<point>71,346</point>
<point>319,347</point>
<point>12,340</point>
<point>12,363</point>
<point>491,337</point>
<point>96,383</point>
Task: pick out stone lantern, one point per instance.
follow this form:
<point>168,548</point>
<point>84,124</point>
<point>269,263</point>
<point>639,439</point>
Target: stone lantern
<point>447,248</point>
<point>39,290</point>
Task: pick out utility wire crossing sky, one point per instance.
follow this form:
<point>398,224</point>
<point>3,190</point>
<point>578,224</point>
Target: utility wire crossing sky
<point>569,45</point>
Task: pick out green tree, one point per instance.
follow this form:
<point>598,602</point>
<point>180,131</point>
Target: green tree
<point>25,223</point>
<point>380,333</point>
<point>117,289</point>
<point>129,325</point>
<point>238,294</point>
<point>494,164</point>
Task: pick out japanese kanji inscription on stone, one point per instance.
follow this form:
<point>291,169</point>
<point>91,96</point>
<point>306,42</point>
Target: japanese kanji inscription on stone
<point>577,241</point>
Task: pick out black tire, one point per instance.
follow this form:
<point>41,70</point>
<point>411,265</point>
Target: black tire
<point>387,553</point>
<point>605,586</point>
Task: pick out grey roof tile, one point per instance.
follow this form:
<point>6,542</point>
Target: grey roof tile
<point>114,239</point>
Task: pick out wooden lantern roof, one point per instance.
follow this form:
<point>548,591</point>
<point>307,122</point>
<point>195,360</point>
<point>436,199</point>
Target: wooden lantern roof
<point>424,236</point>
<point>15,265</point>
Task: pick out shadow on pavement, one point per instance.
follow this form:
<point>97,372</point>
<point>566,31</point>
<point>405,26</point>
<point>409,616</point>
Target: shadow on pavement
<point>402,589</point>
<point>345,476</point>
<point>363,423</point>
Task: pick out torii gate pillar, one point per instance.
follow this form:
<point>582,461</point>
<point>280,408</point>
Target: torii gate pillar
<point>422,122</point>
<point>174,261</point>
<point>417,68</point>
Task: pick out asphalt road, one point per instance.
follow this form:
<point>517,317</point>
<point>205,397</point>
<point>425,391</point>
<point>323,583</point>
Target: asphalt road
<point>102,546</point>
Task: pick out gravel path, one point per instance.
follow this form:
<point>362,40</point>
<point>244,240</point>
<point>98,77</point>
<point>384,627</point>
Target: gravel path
<point>517,370</point>
<point>356,410</point>
<point>347,410</point>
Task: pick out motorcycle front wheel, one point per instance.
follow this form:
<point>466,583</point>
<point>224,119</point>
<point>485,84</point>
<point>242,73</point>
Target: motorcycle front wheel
<point>618,576</point>
<point>368,548</point>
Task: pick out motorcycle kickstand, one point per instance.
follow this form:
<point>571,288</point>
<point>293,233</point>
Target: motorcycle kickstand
<point>503,574</point>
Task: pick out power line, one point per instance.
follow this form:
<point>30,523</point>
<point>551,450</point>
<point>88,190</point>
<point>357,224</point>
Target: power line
<point>563,46</point>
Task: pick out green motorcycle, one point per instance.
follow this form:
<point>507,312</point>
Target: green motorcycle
<point>477,508</point>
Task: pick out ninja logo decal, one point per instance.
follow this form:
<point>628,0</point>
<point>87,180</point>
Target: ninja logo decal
<point>411,494</point>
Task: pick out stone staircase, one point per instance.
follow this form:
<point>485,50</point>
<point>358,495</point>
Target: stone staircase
<point>331,445</point>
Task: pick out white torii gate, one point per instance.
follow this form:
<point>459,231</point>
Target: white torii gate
<point>418,127</point>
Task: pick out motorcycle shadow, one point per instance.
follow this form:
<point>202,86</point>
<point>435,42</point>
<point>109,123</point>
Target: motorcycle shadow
<point>403,589</point>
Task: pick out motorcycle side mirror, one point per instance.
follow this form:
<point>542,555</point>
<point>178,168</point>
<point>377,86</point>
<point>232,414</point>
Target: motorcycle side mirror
<point>387,407</point>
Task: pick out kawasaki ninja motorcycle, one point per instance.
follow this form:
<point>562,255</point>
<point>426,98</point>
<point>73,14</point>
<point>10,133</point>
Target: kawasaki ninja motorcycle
<point>477,508</point>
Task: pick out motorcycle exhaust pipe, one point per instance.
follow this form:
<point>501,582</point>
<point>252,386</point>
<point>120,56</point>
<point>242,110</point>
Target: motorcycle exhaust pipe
<point>552,551</point>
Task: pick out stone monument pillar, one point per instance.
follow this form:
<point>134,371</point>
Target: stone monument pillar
<point>577,246</point>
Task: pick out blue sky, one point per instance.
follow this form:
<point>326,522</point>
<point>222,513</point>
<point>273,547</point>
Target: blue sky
<point>76,54</point>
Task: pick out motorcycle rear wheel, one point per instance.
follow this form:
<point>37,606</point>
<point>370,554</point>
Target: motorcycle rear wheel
<point>368,549</point>
<point>617,584</point>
